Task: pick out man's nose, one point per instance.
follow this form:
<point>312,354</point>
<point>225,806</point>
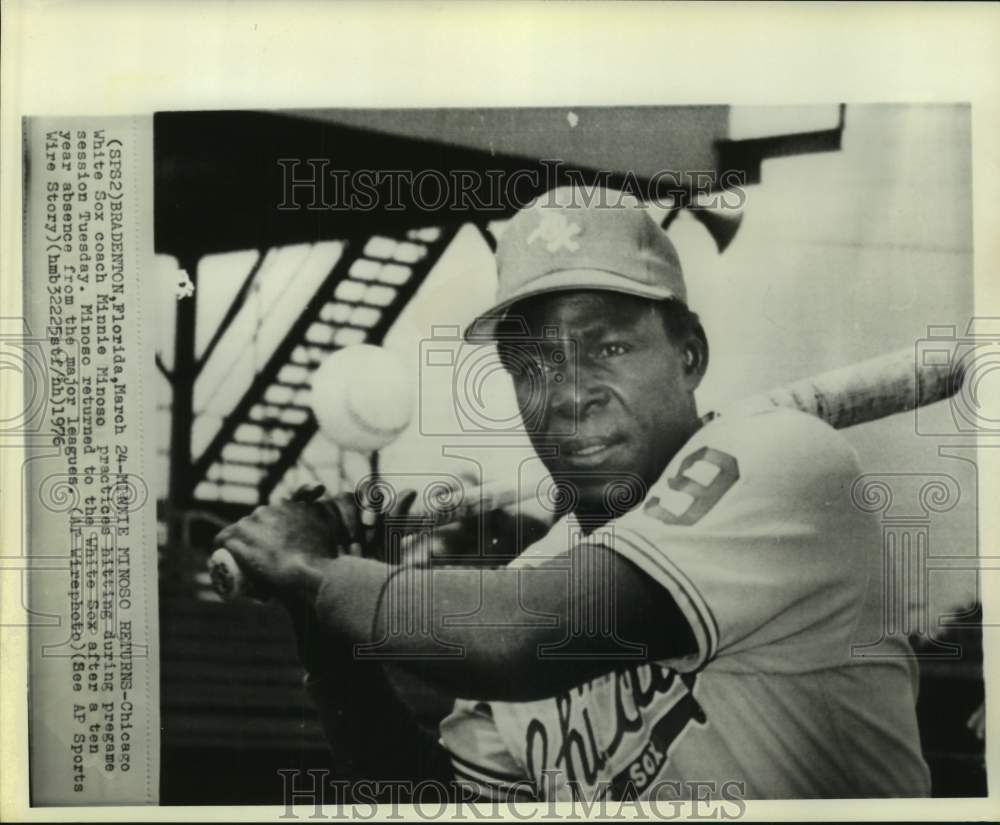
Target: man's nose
<point>570,393</point>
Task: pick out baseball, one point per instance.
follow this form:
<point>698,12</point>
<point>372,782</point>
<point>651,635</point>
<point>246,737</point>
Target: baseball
<point>362,397</point>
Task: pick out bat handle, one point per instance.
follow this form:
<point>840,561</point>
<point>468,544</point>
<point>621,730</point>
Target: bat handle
<point>227,578</point>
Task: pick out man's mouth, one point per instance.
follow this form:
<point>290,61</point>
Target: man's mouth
<point>587,451</point>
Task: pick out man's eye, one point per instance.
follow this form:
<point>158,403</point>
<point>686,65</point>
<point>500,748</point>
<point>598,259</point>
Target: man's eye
<point>611,350</point>
<point>525,369</point>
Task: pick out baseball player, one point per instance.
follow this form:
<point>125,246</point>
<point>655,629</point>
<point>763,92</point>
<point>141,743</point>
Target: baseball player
<point>693,626</point>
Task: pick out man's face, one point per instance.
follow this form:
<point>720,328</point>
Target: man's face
<point>604,385</point>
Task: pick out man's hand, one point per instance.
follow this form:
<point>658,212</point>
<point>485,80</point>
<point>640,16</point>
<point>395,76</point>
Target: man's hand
<point>282,548</point>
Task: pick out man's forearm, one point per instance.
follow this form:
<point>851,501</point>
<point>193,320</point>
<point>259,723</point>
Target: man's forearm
<point>413,617</point>
<point>508,634</point>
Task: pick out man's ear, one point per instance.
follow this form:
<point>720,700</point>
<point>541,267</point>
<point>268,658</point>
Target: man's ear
<point>695,357</point>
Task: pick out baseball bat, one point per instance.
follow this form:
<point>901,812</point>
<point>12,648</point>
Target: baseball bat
<point>865,391</point>
<point>844,397</point>
<point>230,583</point>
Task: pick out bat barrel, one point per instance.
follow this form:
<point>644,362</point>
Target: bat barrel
<point>862,392</point>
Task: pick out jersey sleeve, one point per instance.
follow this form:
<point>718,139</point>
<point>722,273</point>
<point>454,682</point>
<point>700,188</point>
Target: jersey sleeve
<point>752,532</point>
<point>482,763</point>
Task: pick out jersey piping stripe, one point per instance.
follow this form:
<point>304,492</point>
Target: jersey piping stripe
<point>656,554</point>
<point>685,601</point>
<point>491,774</point>
<point>691,587</point>
<point>697,607</point>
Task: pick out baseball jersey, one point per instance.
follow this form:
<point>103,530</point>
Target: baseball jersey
<point>752,532</point>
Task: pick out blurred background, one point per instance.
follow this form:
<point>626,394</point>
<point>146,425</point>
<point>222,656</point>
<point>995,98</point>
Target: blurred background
<point>848,236</point>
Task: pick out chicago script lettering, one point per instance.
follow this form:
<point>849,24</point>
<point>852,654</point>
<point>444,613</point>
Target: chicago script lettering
<point>577,749</point>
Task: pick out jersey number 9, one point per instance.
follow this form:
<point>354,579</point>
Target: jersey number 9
<point>704,494</point>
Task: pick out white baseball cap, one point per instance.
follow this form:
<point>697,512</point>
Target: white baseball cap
<point>572,239</point>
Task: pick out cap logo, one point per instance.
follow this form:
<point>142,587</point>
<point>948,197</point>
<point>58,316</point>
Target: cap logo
<point>556,231</point>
